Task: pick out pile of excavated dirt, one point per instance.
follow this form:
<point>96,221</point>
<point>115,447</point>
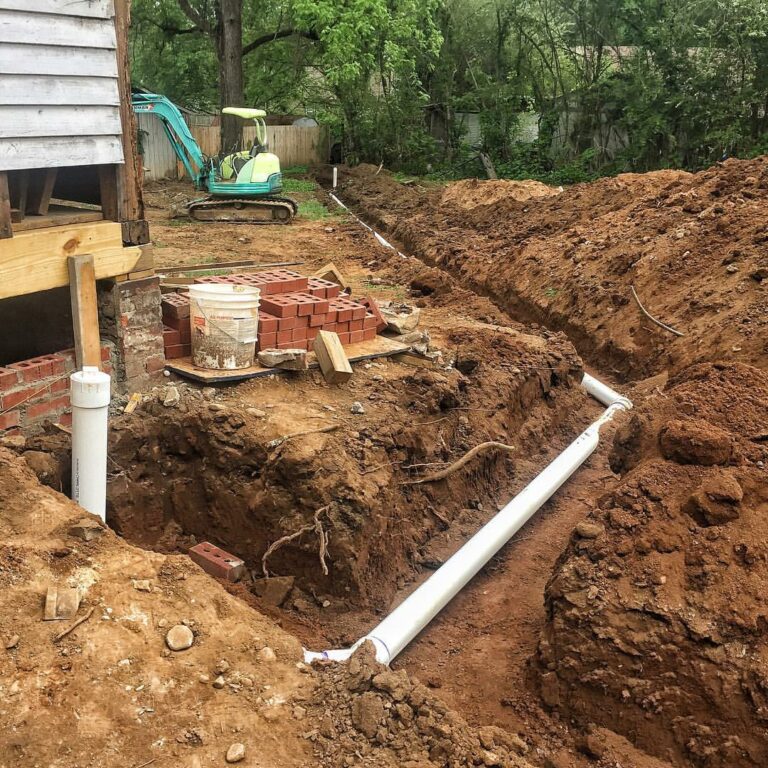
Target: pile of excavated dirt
<point>384,718</point>
<point>692,246</point>
<point>657,619</point>
<point>472,193</point>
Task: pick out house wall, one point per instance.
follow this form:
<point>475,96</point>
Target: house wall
<point>59,98</point>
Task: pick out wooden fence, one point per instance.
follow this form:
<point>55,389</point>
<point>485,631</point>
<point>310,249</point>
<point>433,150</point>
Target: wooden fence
<point>292,144</point>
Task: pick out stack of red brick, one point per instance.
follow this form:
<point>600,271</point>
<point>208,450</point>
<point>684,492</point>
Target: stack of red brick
<point>177,334</point>
<point>293,310</point>
<point>37,390</point>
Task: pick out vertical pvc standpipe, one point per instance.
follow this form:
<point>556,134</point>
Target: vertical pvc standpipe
<point>90,396</point>
<point>335,176</point>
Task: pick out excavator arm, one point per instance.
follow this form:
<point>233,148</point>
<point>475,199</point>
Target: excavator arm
<point>182,140</point>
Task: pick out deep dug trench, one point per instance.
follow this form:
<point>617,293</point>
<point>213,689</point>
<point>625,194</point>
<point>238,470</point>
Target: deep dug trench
<point>656,622</point>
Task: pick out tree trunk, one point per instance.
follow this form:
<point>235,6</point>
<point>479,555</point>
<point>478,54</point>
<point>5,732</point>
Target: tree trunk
<point>229,44</point>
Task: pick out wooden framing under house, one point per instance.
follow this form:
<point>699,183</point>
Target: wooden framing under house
<point>71,210</point>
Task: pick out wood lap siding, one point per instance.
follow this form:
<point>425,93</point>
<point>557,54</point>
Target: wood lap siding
<point>58,84</point>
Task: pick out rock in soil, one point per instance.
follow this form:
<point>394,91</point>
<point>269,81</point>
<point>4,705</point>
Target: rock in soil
<point>285,359</point>
<point>179,638</point>
<point>235,753</point>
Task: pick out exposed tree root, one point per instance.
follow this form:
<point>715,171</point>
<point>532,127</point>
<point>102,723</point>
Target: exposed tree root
<point>322,536</point>
<point>457,465</point>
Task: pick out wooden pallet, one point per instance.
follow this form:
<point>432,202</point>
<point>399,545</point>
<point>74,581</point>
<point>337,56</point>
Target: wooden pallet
<point>381,346</point>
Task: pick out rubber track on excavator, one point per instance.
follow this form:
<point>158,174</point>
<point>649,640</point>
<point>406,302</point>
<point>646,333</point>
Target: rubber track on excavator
<point>265,210</point>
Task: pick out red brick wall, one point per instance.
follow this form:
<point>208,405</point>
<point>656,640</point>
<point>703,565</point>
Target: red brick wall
<point>37,390</point>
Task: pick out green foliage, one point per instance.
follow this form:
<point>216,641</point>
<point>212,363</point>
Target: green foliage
<point>618,84</point>
<point>291,186</point>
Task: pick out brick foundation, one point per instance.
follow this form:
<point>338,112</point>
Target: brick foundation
<point>129,316</point>
<point>35,391</point>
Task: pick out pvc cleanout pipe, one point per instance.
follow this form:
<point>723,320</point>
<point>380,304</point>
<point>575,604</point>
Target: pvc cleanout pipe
<point>90,396</point>
<point>335,176</point>
<point>393,634</point>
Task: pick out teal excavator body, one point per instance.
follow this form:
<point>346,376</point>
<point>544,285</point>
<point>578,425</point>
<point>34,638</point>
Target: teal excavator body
<point>242,186</point>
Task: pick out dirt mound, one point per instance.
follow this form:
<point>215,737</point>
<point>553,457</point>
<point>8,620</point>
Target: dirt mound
<point>111,693</point>
<point>657,615</point>
<point>570,261</point>
<point>386,719</point>
<point>473,193</point>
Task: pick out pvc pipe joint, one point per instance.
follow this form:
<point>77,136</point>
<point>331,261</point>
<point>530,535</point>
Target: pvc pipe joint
<point>90,396</point>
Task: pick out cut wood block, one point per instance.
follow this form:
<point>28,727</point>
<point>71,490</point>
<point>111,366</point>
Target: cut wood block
<point>37,260</point>
<point>331,357</point>
<point>331,273</point>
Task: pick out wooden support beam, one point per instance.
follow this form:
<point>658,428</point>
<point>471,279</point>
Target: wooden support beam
<point>41,192</point>
<point>6,230</point>
<point>109,192</point>
<point>37,260</point>
<point>331,358</point>
<point>85,310</point>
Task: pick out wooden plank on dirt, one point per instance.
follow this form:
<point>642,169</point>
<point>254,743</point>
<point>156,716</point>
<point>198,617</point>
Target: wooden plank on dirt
<point>6,230</point>
<point>331,358</point>
<point>36,260</point>
<point>85,309</point>
<point>248,264</point>
<point>381,346</point>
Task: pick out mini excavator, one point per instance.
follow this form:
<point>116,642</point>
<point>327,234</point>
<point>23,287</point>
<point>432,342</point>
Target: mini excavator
<point>242,186</point>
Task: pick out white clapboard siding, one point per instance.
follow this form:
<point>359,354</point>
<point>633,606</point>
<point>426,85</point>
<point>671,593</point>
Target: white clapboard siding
<point>35,89</point>
<point>59,98</point>
<point>55,152</point>
<point>27,59</point>
<point>50,29</point>
<point>94,9</point>
<point>27,122</point>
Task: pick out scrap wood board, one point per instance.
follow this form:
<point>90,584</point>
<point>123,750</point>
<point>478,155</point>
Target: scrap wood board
<point>381,346</point>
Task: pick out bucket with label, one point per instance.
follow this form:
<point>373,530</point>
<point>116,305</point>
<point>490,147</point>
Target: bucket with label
<point>225,320</point>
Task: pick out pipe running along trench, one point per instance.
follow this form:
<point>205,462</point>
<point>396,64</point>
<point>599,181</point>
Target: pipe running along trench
<point>393,634</point>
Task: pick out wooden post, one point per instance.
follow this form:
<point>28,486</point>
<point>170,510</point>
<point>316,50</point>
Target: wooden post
<point>40,197</point>
<point>109,192</point>
<point>20,193</point>
<point>130,201</point>
<point>85,310</point>
<point>6,230</point>
<point>331,357</point>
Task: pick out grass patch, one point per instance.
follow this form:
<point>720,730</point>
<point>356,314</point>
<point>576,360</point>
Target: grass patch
<point>314,210</point>
<point>298,185</point>
<point>295,170</point>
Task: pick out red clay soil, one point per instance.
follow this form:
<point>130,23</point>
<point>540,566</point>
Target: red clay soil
<point>693,247</point>
<point>656,610</point>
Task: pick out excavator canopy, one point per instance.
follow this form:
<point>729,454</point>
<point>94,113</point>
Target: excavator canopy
<point>244,112</point>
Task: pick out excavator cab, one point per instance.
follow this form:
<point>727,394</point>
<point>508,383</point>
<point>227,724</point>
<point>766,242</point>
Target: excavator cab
<point>255,165</point>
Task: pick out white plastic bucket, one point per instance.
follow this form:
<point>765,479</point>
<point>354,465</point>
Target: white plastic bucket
<point>225,323</point>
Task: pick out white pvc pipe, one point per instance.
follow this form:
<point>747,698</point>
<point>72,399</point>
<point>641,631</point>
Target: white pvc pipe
<point>90,396</point>
<point>335,176</point>
<point>420,607</point>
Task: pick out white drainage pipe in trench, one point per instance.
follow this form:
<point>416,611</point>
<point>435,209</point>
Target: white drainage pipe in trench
<point>90,396</point>
<point>420,607</point>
